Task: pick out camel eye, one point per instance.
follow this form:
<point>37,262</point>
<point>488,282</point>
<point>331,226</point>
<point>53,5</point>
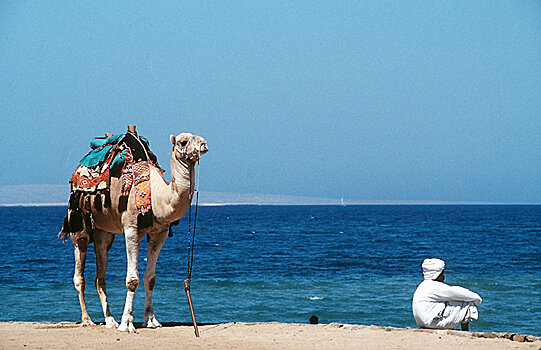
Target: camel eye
<point>183,143</point>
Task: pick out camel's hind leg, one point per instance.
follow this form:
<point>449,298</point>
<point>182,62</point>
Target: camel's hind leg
<point>102,243</point>
<point>155,244</point>
<point>80,244</point>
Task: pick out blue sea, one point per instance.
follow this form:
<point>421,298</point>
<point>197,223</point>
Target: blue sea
<point>347,264</point>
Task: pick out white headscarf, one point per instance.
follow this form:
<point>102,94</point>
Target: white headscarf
<point>432,268</point>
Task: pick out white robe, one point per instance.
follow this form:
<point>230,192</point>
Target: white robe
<point>438,305</point>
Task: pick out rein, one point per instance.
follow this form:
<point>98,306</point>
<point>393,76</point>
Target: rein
<point>191,233</point>
<point>191,241</point>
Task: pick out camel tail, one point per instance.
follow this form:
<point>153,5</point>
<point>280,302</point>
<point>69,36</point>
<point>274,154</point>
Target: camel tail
<point>64,234</point>
<point>73,221</point>
<point>79,223</point>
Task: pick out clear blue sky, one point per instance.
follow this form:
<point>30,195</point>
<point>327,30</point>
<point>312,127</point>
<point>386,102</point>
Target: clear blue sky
<point>375,100</point>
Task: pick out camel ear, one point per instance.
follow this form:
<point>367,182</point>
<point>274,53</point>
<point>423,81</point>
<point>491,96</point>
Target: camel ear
<point>172,138</point>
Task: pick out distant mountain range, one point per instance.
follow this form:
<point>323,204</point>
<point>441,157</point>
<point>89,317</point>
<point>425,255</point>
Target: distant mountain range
<point>34,194</point>
<point>59,194</point>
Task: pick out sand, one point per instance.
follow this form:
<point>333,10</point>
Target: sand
<point>28,335</point>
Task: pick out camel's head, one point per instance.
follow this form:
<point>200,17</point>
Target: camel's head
<point>188,147</point>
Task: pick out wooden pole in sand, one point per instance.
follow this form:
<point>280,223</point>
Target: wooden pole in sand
<point>187,290</point>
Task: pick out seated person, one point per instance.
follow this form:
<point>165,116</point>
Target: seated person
<point>440,306</point>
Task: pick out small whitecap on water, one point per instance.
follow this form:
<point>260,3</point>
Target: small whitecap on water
<point>315,298</point>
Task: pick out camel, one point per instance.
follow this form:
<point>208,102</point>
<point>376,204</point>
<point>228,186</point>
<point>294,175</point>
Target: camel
<point>169,203</point>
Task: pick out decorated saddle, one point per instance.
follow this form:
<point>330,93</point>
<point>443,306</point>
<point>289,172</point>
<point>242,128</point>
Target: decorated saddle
<point>126,156</point>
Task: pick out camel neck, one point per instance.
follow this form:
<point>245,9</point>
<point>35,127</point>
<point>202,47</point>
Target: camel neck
<point>182,178</point>
<point>178,195</point>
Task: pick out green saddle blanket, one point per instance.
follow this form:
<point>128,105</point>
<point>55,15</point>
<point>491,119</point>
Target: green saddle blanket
<point>101,147</point>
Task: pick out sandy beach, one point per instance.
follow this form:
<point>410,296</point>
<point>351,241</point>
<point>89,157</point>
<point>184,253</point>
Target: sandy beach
<point>29,335</point>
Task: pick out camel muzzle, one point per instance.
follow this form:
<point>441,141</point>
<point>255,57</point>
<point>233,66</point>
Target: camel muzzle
<point>203,148</point>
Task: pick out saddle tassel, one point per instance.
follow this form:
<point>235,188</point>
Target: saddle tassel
<point>107,202</point>
<point>75,220</point>
<point>144,220</point>
<point>122,203</point>
<point>97,201</point>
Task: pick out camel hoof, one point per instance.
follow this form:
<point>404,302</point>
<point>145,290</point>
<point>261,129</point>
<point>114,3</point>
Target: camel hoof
<point>151,322</point>
<point>127,327</point>
<point>110,322</point>
<point>87,322</point>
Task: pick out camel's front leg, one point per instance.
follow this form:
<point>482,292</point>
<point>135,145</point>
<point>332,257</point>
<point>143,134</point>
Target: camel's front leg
<point>132,278</point>
<point>155,244</point>
<point>80,245</point>
<point>102,243</point>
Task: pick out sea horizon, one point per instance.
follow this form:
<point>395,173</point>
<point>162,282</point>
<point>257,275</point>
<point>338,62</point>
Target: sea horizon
<point>368,203</point>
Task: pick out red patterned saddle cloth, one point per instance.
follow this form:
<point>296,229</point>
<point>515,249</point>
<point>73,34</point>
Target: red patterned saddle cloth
<point>87,179</point>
